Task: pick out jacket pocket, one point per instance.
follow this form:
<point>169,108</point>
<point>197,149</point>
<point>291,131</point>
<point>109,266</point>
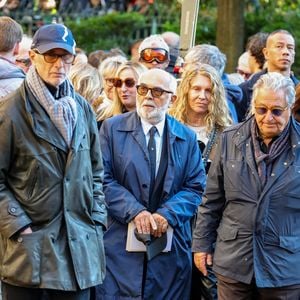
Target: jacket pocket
<point>233,181</point>
<point>290,243</point>
<point>227,233</point>
<point>22,258</point>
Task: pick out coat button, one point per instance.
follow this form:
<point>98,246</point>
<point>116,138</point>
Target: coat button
<point>144,185</point>
<point>20,239</point>
<point>102,206</point>
<point>13,209</point>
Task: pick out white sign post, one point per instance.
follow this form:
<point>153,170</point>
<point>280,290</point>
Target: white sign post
<point>2,3</point>
<point>188,25</point>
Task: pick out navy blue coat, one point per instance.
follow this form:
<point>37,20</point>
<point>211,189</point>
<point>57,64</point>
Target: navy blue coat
<point>256,228</point>
<point>126,188</point>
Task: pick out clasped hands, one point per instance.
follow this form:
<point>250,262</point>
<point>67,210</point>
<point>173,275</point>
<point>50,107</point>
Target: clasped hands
<point>148,223</point>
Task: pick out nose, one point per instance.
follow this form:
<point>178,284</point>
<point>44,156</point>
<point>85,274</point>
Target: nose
<point>149,94</point>
<point>123,87</point>
<point>59,62</point>
<point>269,115</point>
<point>202,94</point>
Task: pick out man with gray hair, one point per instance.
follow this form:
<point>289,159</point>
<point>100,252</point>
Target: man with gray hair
<point>153,182</point>
<point>211,55</point>
<point>11,76</point>
<point>52,209</point>
<point>251,212</point>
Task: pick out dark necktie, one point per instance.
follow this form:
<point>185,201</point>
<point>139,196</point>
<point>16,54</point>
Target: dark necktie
<point>152,156</point>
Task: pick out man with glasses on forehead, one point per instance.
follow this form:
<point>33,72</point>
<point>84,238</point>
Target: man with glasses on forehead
<point>154,52</point>
<point>154,179</point>
<point>252,205</point>
<point>52,209</point>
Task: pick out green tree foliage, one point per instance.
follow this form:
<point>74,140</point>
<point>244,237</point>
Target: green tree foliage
<point>121,29</point>
<point>108,31</point>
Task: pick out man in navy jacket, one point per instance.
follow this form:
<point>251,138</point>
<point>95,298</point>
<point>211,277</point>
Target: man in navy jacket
<point>179,183</point>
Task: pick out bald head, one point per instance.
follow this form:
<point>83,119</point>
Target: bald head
<point>155,92</point>
<point>169,82</point>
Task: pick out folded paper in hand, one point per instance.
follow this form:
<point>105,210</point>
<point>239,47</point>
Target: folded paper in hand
<point>134,245</point>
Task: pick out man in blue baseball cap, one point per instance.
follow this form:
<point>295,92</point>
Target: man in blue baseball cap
<point>52,210</point>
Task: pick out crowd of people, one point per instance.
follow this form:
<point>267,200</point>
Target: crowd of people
<point>133,178</point>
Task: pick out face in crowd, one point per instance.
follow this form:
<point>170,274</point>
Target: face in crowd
<point>155,92</point>
<point>271,113</point>
<point>199,95</point>
<point>52,66</point>
<point>126,88</point>
<point>154,58</point>
<point>280,52</point>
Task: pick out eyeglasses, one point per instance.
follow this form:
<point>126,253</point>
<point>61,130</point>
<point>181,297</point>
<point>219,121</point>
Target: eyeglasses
<point>129,82</point>
<point>154,54</point>
<point>155,92</point>
<point>244,74</point>
<point>276,112</point>
<point>25,61</point>
<point>110,82</point>
<point>51,58</point>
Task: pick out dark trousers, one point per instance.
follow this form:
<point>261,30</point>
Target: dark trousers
<point>11,292</point>
<point>231,289</point>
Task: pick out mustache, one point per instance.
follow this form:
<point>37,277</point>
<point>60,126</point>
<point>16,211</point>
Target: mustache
<point>149,103</point>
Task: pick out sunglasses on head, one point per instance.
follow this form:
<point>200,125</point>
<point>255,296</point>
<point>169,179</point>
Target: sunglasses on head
<point>154,54</point>
<point>155,92</point>
<point>276,112</point>
<point>129,82</point>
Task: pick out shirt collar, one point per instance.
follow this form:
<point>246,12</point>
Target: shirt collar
<point>159,126</point>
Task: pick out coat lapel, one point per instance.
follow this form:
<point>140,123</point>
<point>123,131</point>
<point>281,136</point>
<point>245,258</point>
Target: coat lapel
<point>41,123</point>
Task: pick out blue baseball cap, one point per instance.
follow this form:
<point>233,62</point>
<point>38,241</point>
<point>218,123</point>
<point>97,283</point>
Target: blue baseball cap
<point>53,36</point>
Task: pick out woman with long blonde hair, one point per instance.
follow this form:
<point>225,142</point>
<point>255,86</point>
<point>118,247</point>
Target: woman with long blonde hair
<point>201,105</point>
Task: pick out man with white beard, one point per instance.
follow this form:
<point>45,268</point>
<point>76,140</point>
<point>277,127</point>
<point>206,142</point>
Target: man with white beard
<point>153,187</point>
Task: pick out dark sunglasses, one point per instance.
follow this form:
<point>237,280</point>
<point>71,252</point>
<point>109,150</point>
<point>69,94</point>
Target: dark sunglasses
<point>155,92</point>
<point>158,54</point>
<point>276,112</point>
<point>129,82</point>
<point>51,58</point>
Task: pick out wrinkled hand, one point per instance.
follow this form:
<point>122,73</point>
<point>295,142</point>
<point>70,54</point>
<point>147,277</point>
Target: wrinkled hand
<point>145,222</point>
<point>28,230</point>
<point>162,225</point>
<point>201,260</point>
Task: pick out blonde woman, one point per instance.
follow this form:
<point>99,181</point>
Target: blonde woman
<point>107,70</point>
<point>86,81</point>
<point>124,93</point>
<point>201,105</point>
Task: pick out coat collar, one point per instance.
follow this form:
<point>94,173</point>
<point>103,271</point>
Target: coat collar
<point>243,133</point>
<point>42,125</point>
<point>132,122</point>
